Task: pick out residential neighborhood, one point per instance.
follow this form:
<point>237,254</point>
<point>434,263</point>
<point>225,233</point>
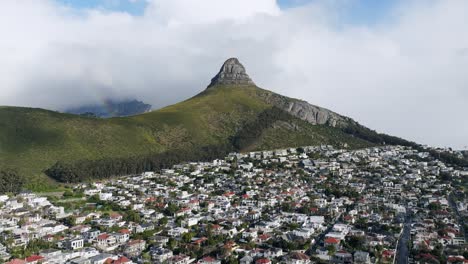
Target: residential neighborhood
<point>313,204</point>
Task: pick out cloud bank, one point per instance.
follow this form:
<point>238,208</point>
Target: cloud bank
<point>406,76</point>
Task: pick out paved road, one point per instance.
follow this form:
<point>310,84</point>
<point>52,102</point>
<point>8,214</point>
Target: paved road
<point>58,194</point>
<point>402,248</point>
<point>70,200</point>
<point>319,238</point>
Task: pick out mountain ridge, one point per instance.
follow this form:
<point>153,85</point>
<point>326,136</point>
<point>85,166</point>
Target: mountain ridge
<point>111,108</point>
<point>230,114</point>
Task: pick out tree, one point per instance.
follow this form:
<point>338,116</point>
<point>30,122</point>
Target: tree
<point>331,250</point>
<point>70,221</point>
<point>133,216</point>
<point>163,221</point>
<point>231,260</point>
<point>68,194</point>
<point>434,206</point>
<point>11,181</point>
<point>146,257</point>
<point>172,243</point>
<point>356,242</point>
<point>187,237</point>
<point>171,209</point>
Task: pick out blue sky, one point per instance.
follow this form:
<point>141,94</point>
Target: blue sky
<point>133,7</point>
<point>355,11</point>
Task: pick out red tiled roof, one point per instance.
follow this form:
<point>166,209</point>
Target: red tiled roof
<point>456,259</point>
<point>263,261</point>
<point>34,258</point>
<point>124,231</point>
<point>332,240</point>
<point>426,256</point>
<point>120,260</point>
<point>264,237</point>
<point>150,199</point>
<point>115,215</point>
<point>299,256</point>
<point>229,244</point>
<point>200,240</point>
<point>103,236</point>
<point>185,209</point>
<point>134,242</point>
<point>208,259</point>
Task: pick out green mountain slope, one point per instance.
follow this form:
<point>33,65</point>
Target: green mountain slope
<point>228,113</point>
<point>33,139</point>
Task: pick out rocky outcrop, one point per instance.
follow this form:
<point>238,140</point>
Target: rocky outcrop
<point>301,109</point>
<point>314,114</point>
<point>232,73</point>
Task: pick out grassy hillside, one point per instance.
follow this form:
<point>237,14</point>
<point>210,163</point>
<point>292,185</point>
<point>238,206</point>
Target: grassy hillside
<point>32,140</point>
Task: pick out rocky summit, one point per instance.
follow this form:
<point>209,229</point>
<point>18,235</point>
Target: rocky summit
<point>232,73</point>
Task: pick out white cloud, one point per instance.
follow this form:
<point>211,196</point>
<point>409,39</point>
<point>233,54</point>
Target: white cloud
<point>182,12</point>
<point>406,77</point>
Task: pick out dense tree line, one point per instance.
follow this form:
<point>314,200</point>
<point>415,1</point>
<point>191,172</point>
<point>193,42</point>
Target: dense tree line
<point>384,139</point>
<point>449,158</point>
<point>11,182</point>
<point>252,131</point>
<point>84,170</point>
<point>374,137</point>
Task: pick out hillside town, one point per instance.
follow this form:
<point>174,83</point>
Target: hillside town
<point>314,204</point>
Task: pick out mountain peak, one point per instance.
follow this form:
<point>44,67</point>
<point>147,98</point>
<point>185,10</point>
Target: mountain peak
<point>232,73</point>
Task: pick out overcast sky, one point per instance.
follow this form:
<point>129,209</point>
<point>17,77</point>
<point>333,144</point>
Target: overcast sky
<point>400,67</point>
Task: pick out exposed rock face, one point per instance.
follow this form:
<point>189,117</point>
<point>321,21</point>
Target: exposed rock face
<point>232,73</point>
<point>301,109</point>
<point>314,114</point>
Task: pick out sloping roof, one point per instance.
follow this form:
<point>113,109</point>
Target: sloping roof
<point>103,236</point>
<point>263,261</point>
<point>208,259</point>
<point>120,260</point>
<point>332,240</point>
<point>124,231</point>
<point>34,258</point>
<point>299,256</point>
